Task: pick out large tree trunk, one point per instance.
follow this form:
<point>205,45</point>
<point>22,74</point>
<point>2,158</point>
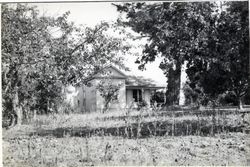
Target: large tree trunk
<point>173,88</point>
<point>183,79</point>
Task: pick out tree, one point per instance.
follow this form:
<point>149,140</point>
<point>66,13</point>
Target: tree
<point>226,67</point>
<point>23,52</point>
<point>109,91</point>
<point>172,30</point>
<point>212,38</point>
<point>36,63</point>
<point>238,56</point>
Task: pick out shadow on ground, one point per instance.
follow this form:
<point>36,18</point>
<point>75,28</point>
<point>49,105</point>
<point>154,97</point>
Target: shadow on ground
<point>143,130</point>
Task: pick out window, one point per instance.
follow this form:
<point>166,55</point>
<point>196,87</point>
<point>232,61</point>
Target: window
<point>137,95</point>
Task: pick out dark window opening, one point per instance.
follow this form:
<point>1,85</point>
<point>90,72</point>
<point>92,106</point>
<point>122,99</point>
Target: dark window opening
<point>137,95</point>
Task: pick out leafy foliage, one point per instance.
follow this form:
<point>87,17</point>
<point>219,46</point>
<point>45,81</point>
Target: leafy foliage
<point>212,38</point>
<point>109,91</point>
<point>37,62</point>
<point>157,97</point>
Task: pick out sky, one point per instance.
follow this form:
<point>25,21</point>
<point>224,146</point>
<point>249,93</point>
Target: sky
<point>92,13</point>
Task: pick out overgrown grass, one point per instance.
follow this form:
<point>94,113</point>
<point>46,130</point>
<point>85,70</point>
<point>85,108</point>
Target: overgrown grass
<point>129,137</point>
<point>144,122</point>
<point>118,117</point>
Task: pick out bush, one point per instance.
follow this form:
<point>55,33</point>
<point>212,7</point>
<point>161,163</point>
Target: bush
<point>142,104</point>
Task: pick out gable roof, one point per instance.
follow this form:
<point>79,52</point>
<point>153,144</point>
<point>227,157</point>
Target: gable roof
<point>100,74</point>
<point>131,81</point>
<point>139,81</point>
<point>114,73</point>
<point>117,70</point>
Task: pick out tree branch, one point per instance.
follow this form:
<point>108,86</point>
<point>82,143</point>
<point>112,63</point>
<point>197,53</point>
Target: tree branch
<point>87,40</point>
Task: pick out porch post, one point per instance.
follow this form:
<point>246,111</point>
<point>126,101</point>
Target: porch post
<point>142,94</point>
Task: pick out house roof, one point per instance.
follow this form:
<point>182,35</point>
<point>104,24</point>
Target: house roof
<point>131,81</point>
<point>117,70</point>
<point>139,81</point>
<point>116,73</point>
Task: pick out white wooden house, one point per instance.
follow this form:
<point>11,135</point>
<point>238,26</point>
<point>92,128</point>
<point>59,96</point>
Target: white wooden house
<point>133,90</point>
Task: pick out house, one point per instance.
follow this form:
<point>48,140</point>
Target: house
<point>132,90</point>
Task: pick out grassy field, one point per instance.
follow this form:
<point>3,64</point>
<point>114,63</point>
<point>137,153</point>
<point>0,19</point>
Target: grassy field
<point>129,138</point>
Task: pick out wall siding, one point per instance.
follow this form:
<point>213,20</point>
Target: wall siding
<point>91,96</point>
<point>147,96</point>
<point>129,97</point>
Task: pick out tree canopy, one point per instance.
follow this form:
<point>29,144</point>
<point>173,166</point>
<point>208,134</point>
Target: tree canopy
<point>36,63</point>
<point>212,37</point>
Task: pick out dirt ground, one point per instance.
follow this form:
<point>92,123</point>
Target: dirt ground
<point>224,149</point>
